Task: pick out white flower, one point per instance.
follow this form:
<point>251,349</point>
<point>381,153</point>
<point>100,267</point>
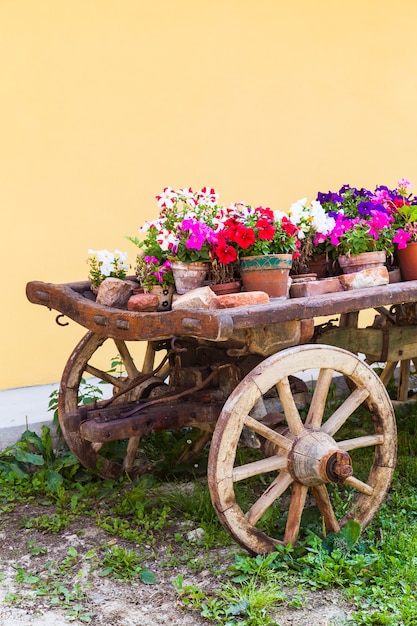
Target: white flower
<point>106,269</point>
<point>166,240</point>
<point>278,215</point>
<point>167,198</point>
<point>298,211</point>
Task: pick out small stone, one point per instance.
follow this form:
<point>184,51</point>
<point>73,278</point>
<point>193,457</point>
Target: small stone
<point>114,292</point>
<point>143,302</point>
<point>244,298</point>
<point>366,278</point>
<point>199,298</point>
<point>196,535</point>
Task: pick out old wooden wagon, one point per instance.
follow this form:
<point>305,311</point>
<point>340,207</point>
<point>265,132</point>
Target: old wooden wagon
<point>263,374</point>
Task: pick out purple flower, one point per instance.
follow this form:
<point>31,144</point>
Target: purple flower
<point>330,196</point>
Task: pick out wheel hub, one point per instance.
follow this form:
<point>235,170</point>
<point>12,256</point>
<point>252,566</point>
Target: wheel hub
<point>315,459</point>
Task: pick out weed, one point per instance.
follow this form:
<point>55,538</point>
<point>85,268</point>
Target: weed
<point>124,565</point>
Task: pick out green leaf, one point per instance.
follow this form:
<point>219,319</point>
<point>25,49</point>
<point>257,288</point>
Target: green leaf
<point>34,439</point>
<point>29,457</point>
<point>147,577</point>
<point>17,469</point>
<point>54,480</point>
<point>351,532</point>
<point>72,551</point>
<point>105,571</point>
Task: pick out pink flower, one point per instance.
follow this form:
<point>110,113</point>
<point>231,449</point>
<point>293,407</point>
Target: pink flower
<point>404,184</point>
<point>199,234</point>
<point>401,238</point>
<point>380,220</point>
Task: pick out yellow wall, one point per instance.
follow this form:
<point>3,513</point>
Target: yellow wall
<point>105,102</point>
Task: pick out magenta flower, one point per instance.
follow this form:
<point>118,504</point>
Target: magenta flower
<point>401,238</point>
<point>199,234</point>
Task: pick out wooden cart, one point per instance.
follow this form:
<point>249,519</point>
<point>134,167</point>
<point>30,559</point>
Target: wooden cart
<point>243,375</point>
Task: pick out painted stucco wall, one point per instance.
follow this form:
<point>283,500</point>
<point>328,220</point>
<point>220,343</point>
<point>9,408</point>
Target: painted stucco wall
<point>105,102</point>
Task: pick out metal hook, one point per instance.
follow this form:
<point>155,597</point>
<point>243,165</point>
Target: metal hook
<point>60,323</point>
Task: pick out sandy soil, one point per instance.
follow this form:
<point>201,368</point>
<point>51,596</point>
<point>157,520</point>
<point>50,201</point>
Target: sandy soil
<point>113,602</point>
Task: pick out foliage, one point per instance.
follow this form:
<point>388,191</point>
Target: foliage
<point>34,455</point>
<point>121,564</point>
<point>105,264</point>
<point>152,271</point>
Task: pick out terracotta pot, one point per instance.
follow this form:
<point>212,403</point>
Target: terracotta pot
<point>303,278</point>
<point>188,276</point>
<point>225,288</point>
<point>319,266</point>
<point>268,273</point>
<point>407,260</point>
<point>164,293</point>
<point>359,262</point>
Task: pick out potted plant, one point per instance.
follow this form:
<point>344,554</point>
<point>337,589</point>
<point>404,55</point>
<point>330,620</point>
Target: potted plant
<point>264,242</point>
<point>104,264</point>
<point>362,235</point>
<point>155,276</point>
<point>183,232</point>
<point>404,210</point>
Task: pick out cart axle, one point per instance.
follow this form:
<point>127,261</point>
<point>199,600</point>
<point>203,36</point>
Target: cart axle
<point>315,459</point>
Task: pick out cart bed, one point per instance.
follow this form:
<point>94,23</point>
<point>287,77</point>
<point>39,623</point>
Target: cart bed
<point>214,325</point>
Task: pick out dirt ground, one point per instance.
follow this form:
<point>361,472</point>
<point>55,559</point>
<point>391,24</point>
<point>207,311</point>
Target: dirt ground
<point>117,603</point>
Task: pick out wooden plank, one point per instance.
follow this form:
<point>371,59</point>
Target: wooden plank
<point>215,325</point>
<point>391,343</point>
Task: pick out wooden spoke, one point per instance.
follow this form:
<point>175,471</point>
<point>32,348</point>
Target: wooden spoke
<point>268,433</point>
<point>270,464</point>
<point>339,417</point>
<point>131,450</point>
<point>359,485</point>
<point>127,359</point>
<point>318,402</point>
<point>105,376</point>
<point>274,491</point>
<point>298,498</point>
<point>361,442</point>
<point>149,360</point>
<point>324,505</point>
<point>291,412</point>
<point>388,371</point>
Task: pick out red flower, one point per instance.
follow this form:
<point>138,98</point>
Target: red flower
<point>244,237</point>
<point>288,227</point>
<point>266,212</point>
<point>266,229</point>
<point>224,251</point>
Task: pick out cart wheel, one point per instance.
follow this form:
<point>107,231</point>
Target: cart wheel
<point>94,455</point>
<point>312,465</point>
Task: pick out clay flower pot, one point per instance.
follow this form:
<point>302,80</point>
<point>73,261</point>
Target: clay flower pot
<point>268,273</point>
<point>363,261</point>
<point>188,276</point>
<point>407,260</point>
